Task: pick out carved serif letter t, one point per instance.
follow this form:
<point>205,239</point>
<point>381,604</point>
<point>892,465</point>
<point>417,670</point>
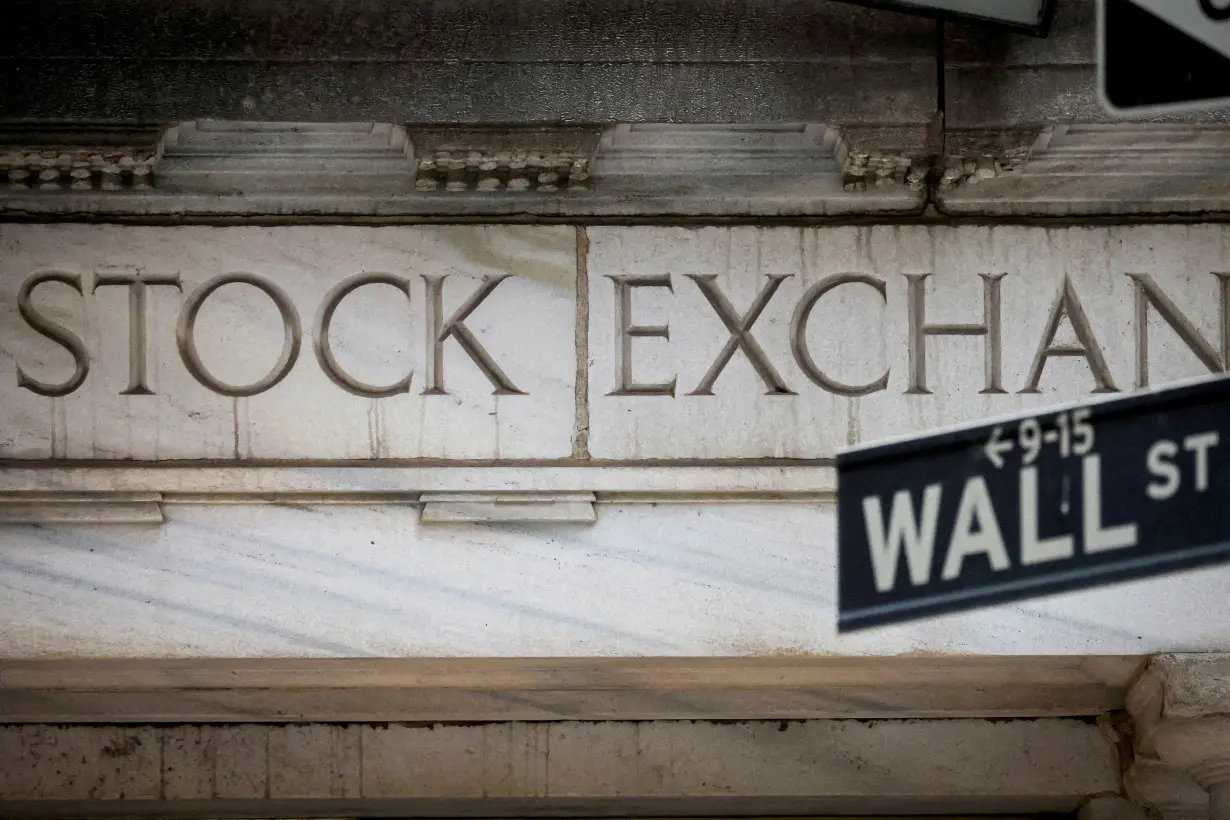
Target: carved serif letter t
<point>916,297</point>
<point>137,342</point>
<point>438,332</point>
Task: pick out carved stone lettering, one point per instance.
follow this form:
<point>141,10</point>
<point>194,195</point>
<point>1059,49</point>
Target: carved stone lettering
<point>438,332</point>
<point>324,350</point>
<point>798,334</point>
<point>473,343</point>
<point>740,328</point>
<point>56,333</point>
<point>920,330</point>
<point>1068,305</point>
<point>626,331</point>
<point>185,335</point>
<point>138,352</point>
<point>1148,292</point>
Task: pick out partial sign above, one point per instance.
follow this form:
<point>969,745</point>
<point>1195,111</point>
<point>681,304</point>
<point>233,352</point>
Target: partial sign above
<point>1029,16</point>
<point>1158,55</point>
<point>1061,500</point>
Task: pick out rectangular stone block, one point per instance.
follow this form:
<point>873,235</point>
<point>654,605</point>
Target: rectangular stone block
<point>315,760</point>
<point>79,763</point>
<point>286,343</point>
<point>789,343</point>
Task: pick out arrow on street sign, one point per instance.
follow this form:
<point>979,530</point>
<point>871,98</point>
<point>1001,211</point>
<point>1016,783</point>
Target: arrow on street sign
<point>996,447</point>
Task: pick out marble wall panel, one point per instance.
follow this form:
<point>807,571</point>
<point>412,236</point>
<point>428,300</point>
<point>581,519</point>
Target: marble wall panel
<point>517,404</point>
<point>1071,312</point>
<point>656,580</point>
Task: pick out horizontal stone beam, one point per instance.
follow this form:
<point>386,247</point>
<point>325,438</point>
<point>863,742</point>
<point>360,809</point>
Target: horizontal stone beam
<point>221,690</point>
<point>511,769</point>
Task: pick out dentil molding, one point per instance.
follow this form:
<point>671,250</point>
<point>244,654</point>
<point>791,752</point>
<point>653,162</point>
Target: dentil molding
<point>364,169</point>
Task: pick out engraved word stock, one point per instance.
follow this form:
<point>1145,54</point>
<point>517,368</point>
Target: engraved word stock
<point>439,331</point>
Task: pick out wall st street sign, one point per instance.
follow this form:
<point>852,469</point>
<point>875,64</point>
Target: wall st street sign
<point>1058,500</point>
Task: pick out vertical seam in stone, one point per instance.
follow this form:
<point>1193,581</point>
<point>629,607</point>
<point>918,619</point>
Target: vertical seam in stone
<point>580,433</point>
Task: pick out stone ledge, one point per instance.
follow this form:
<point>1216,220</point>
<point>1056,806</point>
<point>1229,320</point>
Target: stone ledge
<point>364,170</point>
<point>440,508</point>
<point>373,169</point>
<point>402,483</point>
<point>1126,169</point>
<point>80,508</point>
<point>915,767</point>
<point>493,689</point>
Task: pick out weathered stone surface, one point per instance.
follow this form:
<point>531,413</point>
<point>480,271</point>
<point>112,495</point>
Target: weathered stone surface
<point>987,306</point>
<point>302,579</point>
<point>858,334</point>
<point>831,766</point>
<point>430,61</point>
<point>995,79</point>
<point>245,382</point>
<point>1125,169</point>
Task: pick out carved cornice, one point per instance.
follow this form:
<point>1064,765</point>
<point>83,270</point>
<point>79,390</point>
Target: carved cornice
<point>460,159</point>
<point>1169,791</point>
<point>44,158</point>
<point>1181,709</point>
<point>1114,170</point>
<point>373,169</point>
<point>356,169</point>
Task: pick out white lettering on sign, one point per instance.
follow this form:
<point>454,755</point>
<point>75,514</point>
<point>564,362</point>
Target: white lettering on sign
<point>976,524</point>
<point>1168,478</point>
<point>1034,548</point>
<point>918,538</point>
<point>976,531</point>
<point>1097,537</point>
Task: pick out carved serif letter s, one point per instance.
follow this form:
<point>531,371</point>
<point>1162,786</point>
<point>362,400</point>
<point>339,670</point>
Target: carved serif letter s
<point>56,333</point>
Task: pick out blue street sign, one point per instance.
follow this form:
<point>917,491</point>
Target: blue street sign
<point>1058,500</point>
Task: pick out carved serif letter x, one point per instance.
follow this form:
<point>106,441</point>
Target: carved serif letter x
<point>740,328</point>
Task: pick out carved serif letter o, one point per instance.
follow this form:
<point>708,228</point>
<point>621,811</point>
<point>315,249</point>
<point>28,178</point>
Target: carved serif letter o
<point>185,335</point>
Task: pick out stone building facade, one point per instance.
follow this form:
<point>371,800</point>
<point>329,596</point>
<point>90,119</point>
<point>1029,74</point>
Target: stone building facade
<point>430,408</point>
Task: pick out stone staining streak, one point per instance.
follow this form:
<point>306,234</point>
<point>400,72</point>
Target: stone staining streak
<point>457,171</point>
<point>77,169</point>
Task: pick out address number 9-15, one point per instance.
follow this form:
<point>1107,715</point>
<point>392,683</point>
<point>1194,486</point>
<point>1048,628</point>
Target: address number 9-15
<point>1072,434</point>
